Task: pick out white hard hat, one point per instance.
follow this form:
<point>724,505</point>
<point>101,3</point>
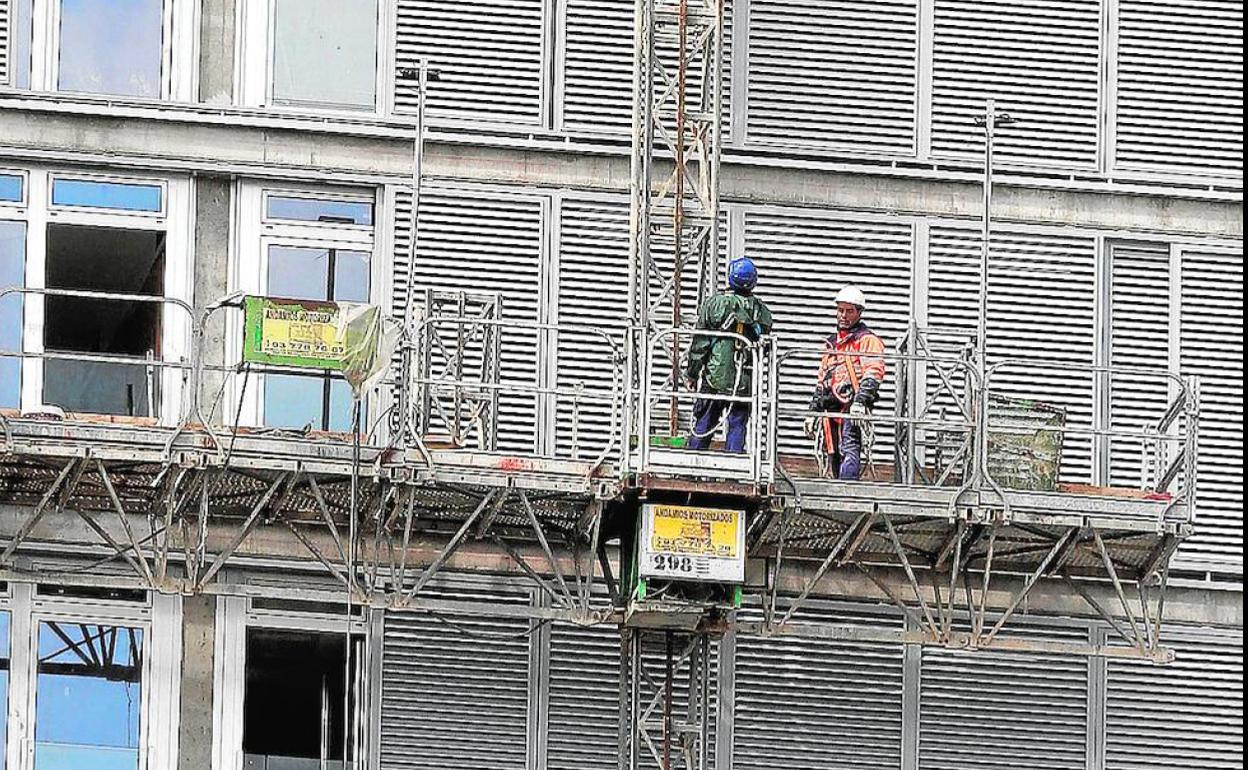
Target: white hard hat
<point>852,295</point>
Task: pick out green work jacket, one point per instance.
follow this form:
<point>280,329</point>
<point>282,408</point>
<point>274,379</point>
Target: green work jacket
<point>714,360</point>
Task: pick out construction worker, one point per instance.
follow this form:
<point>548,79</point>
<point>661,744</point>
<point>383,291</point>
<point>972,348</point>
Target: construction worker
<point>849,383</point>
<point>723,365</point>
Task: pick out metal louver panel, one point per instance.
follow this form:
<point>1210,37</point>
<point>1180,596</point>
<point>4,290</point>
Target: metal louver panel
<point>803,261</point>
<point>592,294</point>
<point>597,72</point>
<point>991,710</point>
<point>489,55</point>
<point>1041,298</point>
<point>583,711</point>
<point>813,704</point>
<point>833,74</point>
<point>1139,315</point>
<point>1188,715</point>
<point>455,689</point>
<point>1181,86</point>
<point>474,240</point>
<point>1212,345</point>
<point>1040,59</point>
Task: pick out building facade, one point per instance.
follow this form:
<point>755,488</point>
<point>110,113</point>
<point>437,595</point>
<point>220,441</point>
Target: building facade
<point>185,150</point>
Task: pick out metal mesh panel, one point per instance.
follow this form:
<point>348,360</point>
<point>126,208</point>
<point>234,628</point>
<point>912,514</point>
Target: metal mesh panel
<point>489,55</point>
<point>1041,297</point>
<point>583,711</point>
<point>833,75</point>
<point>991,710</point>
<point>1212,345</point>
<point>455,689</point>
<point>1040,59</point>
<point>1139,338</point>
<point>811,704</point>
<point>1180,87</point>
<point>1188,715</point>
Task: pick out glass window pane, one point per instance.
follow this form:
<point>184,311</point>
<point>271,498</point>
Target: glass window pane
<point>325,52</point>
<point>12,273</point>
<point>106,195</point>
<point>10,187</point>
<point>351,276</point>
<point>22,12</point>
<point>87,696</point>
<point>294,401</point>
<point>97,387</point>
<point>319,210</point>
<point>111,47</point>
<point>298,273</point>
<point>340,408</point>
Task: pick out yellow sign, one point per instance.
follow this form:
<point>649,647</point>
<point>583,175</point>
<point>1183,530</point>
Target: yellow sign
<point>294,333</point>
<point>692,531</point>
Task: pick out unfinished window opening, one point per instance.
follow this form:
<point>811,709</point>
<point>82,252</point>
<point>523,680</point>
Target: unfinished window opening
<point>316,401</point>
<point>88,696</point>
<point>117,261</point>
<point>293,704</point>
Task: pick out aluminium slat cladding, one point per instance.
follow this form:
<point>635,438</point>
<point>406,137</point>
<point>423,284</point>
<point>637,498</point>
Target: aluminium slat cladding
<point>991,710</point>
<point>593,287</point>
<point>455,689</point>
<point>1139,338</point>
<point>1181,86</point>
<point>1039,58</point>
<point>803,262</point>
<point>489,57</point>
<point>813,704</point>
<point>837,75</point>
<point>474,240</point>
<point>583,711</point>
<point>1041,295</point>
<point>597,73</point>
<point>1185,716</point>
<point>1212,347</point>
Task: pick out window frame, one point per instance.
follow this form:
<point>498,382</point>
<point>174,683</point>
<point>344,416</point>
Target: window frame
<point>256,232</point>
<point>253,63</point>
<point>160,618</point>
<point>175,220</point>
<point>179,51</point>
<point>235,616</point>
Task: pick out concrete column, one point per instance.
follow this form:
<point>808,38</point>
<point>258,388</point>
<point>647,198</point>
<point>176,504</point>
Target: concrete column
<point>217,36</point>
<point>212,241</point>
<point>195,737</point>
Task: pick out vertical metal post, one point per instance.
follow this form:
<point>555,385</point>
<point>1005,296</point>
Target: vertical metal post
<point>418,159</point>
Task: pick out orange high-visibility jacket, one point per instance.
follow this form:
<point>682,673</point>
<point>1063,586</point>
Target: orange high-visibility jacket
<point>860,348</point>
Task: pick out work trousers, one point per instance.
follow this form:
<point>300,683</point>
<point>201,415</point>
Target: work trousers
<point>846,447</point>
<point>707,412</point>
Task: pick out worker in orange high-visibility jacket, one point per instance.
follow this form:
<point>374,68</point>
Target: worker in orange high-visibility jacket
<point>849,381</point>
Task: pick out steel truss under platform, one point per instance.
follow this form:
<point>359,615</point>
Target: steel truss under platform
<point>175,507</point>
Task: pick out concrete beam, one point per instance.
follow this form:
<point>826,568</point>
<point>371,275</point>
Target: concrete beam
<point>195,738</point>
<point>200,140</point>
<point>260,143</point>
<point>212,248</point>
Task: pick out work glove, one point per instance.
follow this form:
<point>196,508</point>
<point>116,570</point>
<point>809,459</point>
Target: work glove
<point>857,409</point>
<point>811,425</point>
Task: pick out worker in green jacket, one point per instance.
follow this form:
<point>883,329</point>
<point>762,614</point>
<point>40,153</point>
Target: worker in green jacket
<point>723,365</point>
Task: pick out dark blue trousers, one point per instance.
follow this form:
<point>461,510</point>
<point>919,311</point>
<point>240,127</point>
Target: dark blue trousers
<point>708,412</point>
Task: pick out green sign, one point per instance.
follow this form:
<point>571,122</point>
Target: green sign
<point>294,332</point>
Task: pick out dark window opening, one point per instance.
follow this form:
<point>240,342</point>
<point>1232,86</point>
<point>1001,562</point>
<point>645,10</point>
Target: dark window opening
<point>293,703</point>
<point>112,260</point>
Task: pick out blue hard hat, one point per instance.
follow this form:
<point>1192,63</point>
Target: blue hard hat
<point>742,275</point>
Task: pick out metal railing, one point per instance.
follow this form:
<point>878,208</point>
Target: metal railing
<point>464,376</point>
